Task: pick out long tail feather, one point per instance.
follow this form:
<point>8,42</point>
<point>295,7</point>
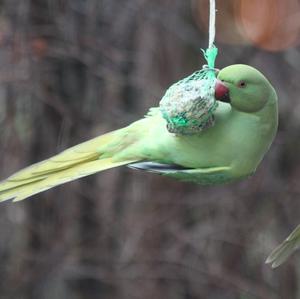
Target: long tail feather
<point>60,178</point>
<point>79,161</point>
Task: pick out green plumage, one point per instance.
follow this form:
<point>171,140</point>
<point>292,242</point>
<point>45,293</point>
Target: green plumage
<point>228,151</point>
<point>281,253</point>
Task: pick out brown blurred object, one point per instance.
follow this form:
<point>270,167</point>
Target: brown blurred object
<point>228,26</point>
<point>271,24</point>
<point>39,47</point>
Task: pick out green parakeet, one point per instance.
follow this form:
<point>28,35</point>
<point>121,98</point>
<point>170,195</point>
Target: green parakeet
<point>281,253</point>
<point>245,125</point>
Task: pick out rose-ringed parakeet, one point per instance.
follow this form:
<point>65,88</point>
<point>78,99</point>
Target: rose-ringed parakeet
<point>245,124</point>
<point>281,253</point>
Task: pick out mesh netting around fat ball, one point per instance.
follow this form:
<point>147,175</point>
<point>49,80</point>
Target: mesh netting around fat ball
<point>188,105</point>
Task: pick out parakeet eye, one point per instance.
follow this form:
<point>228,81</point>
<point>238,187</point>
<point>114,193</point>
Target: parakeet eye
<point>242,84</point>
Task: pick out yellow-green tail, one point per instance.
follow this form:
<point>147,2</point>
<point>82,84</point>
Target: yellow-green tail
<point>76,162</point>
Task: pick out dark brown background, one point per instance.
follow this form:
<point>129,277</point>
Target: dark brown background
<point>71,70</point>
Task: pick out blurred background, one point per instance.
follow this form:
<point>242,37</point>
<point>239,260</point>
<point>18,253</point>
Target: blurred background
<point>71,70</point>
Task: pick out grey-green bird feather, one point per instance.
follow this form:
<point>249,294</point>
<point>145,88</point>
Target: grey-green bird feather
<point>281,253</point>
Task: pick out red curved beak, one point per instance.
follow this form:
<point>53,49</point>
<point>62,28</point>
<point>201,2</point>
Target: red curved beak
<point>221,92</point>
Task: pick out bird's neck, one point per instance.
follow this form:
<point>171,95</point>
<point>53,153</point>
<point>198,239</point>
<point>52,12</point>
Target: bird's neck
<point>266,119</point>
<point>269,114</point>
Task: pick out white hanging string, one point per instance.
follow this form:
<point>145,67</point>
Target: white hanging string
<point>212,23</point>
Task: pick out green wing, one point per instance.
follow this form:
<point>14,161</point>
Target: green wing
<point>203,176</point>
<point>281,253</point>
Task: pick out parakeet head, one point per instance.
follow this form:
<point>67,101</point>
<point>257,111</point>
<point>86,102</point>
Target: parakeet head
<point>244,87</point>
